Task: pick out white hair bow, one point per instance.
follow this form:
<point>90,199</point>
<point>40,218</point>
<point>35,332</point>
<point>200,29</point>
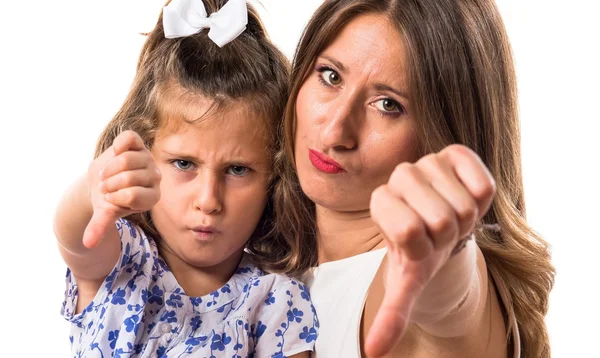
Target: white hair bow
<point>188,17</point>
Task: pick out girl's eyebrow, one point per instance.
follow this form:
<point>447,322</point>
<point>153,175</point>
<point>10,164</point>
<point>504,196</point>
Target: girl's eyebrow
<point>189,158</point>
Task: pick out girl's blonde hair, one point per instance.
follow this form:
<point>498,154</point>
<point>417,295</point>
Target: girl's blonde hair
<point>463,90</point>
<point>248,69</point>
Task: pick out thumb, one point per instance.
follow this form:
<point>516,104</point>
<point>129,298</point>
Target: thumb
<point>402,290</point>
<point>99,223</point>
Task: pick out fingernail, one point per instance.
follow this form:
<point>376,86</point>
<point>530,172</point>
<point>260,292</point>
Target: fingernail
<point>107,197</point>
<point>101,173</point>
<point>102,187</point>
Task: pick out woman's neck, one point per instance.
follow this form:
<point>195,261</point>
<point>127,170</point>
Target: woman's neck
<point>345,234</point>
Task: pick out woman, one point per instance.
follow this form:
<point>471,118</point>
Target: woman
<point>378,177</point>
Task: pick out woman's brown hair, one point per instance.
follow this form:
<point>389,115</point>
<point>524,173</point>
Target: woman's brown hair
<point>463,90</point>
<point>249,69</point>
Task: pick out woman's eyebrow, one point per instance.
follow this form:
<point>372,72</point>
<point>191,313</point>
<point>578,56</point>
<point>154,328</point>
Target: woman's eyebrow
<point>337,63</point>
<point>384,87</point>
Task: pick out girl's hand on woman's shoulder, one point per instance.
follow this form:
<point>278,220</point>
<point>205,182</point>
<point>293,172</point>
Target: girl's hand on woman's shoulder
<point>123,180</point>
<point>425,211</point>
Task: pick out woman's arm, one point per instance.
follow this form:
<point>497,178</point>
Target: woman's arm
<point>439,199</point>
<point>453,302</point>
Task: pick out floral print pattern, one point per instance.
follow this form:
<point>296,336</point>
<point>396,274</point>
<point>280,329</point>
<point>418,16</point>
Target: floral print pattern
<point>141,311</point>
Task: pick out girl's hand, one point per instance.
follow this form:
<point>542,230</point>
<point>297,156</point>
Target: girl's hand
<point>123,180</point>
<point>425,212</point>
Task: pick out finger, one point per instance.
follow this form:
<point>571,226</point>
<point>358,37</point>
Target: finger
<point>124,162</point>
<point>441,223</point>
<point>394,313</point>
<point>472,172</point>
<point>96,229</point>
<point>444,181</point>
<point>135,198</point>
<point>402,227</point>
<point>127,141</point>
<point>128,179</point>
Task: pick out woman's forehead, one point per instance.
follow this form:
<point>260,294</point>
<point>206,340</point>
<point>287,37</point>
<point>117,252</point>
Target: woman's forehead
<point>369,45</point>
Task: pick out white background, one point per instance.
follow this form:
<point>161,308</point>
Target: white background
<point>66,66</point>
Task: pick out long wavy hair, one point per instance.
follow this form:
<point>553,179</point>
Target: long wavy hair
<point>463,90</point>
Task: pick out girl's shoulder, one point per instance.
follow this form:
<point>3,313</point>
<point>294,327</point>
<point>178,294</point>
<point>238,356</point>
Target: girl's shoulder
<point>278,308</point>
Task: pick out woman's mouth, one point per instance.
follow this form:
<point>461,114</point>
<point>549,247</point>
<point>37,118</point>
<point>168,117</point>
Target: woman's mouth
<point>324,163</point>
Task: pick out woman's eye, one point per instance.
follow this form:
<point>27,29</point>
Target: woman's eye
<point>330,77</point>
<point>183,164</point>
<point>237,170</point>
<point>388,105</point>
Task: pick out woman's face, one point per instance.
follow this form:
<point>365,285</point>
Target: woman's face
<point>354,122</point>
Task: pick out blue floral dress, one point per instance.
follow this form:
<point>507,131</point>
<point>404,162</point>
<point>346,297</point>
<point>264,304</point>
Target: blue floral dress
<point>141,311</point>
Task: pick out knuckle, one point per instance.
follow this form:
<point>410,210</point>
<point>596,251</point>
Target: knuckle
<point>124,162</point>
<point>404,173</point>
<point>485,190</point>
<point>467,211</point>
<point>430,160</point>
<point>127,179</point>
<point>129,136</point>
<point>128,198</point>
<point>378,193</point>
<point>459,150</point>
<point>443,225</point>
<point>407,231</point>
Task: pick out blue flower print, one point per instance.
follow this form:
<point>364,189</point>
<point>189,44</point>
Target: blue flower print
<point>196,301</point>
<point>295,314</point>
<point>126,253</point>
<point>112,338</point>
<point>156,296</point>
<point>132,323</point>
<point>196,322</point>
<point>220,341</point>
<point>304,292</point>
<point>308,335</point>
<point>143,310</point>
<point>169,317</point>
<point>260,329</point>
<point>195,341</point>
<point>270,299</point>
<point>174,301</point>
<point>119,297</point>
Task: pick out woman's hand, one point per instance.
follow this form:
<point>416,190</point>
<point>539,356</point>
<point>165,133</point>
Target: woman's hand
<point>425,212</point>
<point>123,180</point>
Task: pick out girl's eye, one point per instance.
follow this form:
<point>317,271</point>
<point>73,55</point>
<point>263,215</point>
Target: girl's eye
<point>183,164</point>
<point>237,170</point>
<point>329,76</point>
<point>388,105</point>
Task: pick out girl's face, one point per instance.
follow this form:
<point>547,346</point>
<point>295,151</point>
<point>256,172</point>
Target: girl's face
<point>354,122</point>
<point>215,177</point>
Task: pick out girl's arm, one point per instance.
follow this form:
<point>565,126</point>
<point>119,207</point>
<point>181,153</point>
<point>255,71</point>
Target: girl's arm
<point>121,181</point>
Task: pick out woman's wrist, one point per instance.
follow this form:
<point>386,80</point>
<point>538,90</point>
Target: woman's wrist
<point>451,299</point>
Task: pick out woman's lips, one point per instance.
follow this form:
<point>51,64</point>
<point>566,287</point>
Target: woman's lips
<point>324,163</point>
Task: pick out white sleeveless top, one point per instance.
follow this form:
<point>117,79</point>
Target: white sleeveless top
<point>339,291</point>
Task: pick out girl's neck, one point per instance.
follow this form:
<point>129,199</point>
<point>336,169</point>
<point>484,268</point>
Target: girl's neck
<point>200,281</point>
<point>345,234</point>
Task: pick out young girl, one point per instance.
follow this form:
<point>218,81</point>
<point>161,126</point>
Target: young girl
<point>184,170</point>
